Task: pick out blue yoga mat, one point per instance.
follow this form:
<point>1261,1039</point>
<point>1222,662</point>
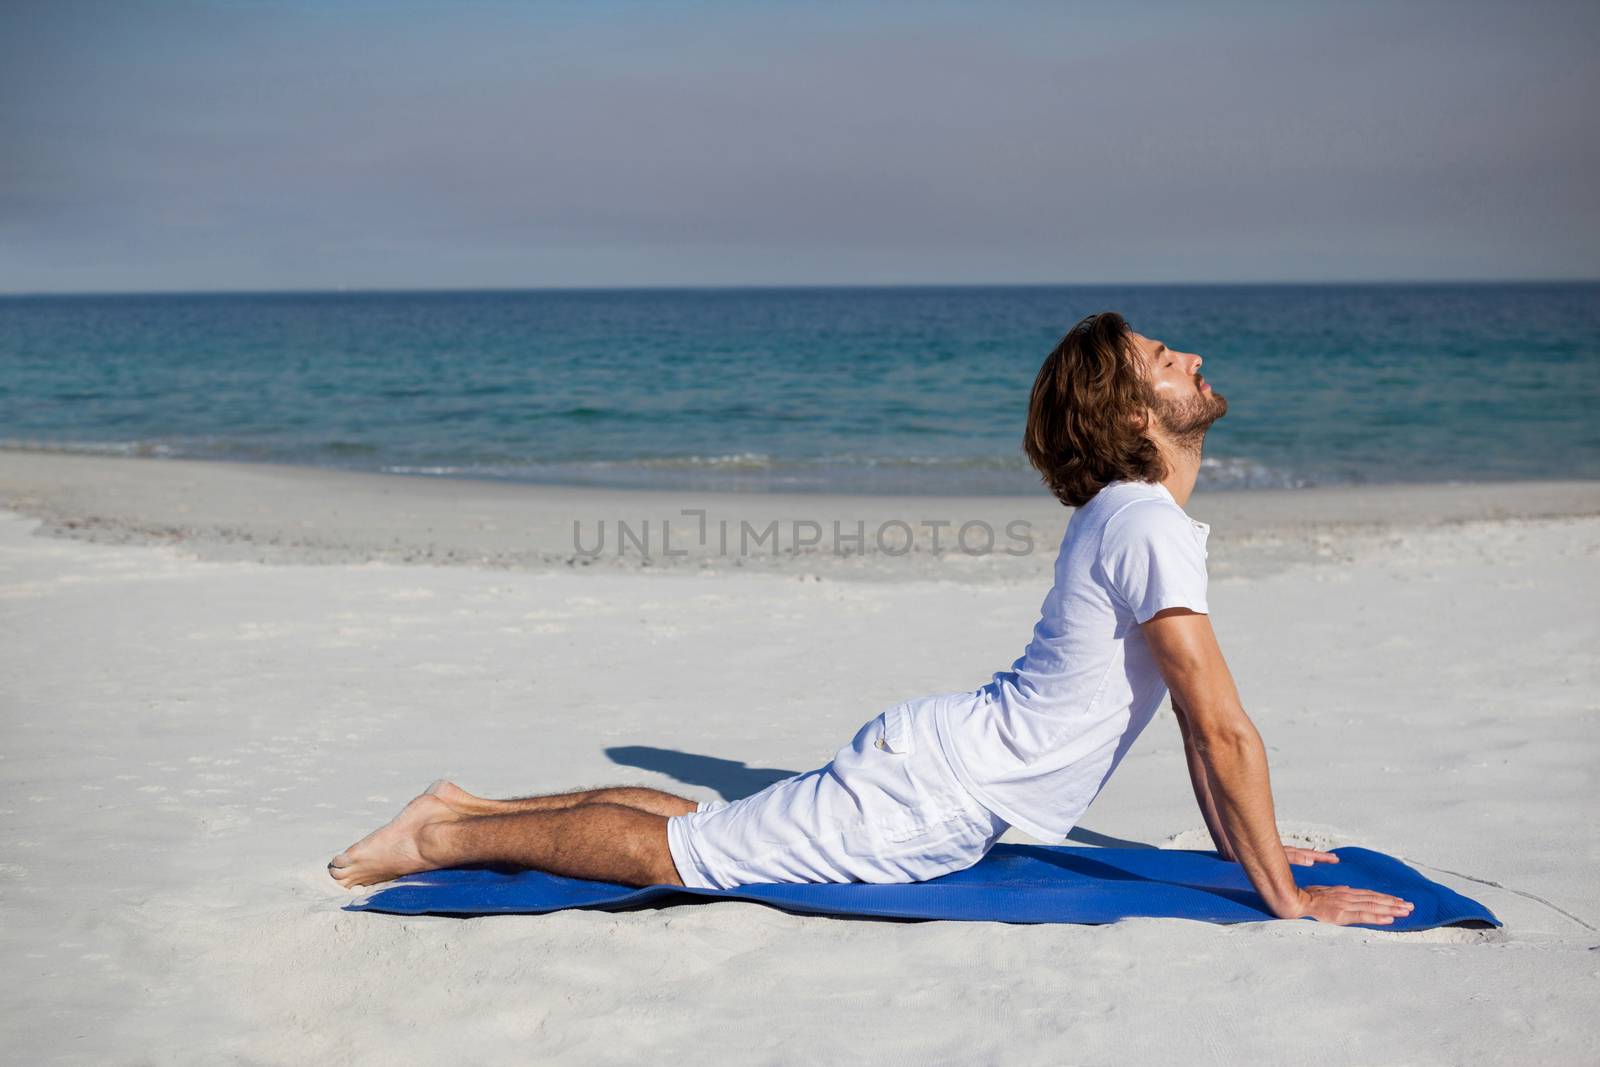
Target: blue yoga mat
<point>1013,883</point>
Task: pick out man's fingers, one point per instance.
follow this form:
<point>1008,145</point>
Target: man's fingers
<point>1375,916</point>
<point>1361,897</point>
<point>1350,905</point>
<point>1366,917</point>
<point>1306,857</point>
<point>1378,909</point>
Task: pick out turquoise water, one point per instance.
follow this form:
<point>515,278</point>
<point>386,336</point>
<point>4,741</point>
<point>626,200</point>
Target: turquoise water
<point>856,390</point>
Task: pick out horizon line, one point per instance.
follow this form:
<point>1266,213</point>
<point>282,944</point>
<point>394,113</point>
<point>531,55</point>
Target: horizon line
<point>781,287</point>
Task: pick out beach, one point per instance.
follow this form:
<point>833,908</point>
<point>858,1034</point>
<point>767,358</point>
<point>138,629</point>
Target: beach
<point>219,674</point>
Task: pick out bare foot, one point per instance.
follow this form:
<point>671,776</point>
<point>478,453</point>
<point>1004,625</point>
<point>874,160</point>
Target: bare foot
<point>460,800</point>
<point>391,850</point>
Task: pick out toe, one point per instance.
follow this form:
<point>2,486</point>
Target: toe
<point>349,877</point>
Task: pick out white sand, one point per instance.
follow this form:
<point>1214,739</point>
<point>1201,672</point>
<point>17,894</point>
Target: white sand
<point>190,732</point>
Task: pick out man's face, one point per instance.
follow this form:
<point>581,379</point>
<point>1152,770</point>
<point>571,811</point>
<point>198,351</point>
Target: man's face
<point>1185,405</point>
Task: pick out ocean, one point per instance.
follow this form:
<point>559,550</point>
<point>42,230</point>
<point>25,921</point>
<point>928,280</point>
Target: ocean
<point>857,390</point>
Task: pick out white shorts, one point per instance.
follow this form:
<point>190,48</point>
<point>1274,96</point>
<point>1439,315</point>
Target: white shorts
<point>886,809</point>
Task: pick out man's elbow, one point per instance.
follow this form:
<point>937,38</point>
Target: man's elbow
<point>1223,731</point>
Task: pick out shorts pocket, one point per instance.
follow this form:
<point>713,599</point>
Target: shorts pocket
<point>893,731</point>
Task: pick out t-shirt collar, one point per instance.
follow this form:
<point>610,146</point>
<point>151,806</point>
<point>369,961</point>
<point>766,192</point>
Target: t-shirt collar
<point>1201,528</point>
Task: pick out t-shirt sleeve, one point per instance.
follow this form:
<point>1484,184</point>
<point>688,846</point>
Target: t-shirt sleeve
<point>1153,561</point>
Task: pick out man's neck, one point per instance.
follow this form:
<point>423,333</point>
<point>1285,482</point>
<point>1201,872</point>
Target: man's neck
<point>1183,467</point>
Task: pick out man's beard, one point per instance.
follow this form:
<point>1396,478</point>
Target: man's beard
<point>1186,421</point>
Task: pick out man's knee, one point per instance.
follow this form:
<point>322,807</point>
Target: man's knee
<point>655,801</point>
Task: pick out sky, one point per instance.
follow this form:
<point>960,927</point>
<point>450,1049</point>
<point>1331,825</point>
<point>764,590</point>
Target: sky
<point>365,145</point>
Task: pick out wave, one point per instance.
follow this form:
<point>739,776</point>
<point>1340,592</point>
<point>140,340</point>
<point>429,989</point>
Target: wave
<point>153,449</point>
<point>1238,472</point>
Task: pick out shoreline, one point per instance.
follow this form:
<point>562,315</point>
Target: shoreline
<point>271,513</point>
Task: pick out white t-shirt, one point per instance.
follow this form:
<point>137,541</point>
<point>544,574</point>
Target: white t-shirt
<point>1036,745</point>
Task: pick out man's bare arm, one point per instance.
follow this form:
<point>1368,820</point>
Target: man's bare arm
<point>1300,857</point>
<point>1235,765</point>
<point>1202,784</point>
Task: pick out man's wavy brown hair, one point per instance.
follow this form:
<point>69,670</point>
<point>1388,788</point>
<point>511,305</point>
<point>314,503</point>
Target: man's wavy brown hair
<point>1083,418</point>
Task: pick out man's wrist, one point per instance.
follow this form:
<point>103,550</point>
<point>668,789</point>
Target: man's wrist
<point>1291,909</point>
<point>1281,893</point>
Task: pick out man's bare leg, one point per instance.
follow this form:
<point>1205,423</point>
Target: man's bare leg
<point>601,841</point>
<point>633,796</point>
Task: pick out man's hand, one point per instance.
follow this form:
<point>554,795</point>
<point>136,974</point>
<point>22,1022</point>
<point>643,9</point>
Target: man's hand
<point>1339,904</point>
<point>1342,905</point>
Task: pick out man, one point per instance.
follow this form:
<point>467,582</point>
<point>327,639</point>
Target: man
<point>1115,426</point>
